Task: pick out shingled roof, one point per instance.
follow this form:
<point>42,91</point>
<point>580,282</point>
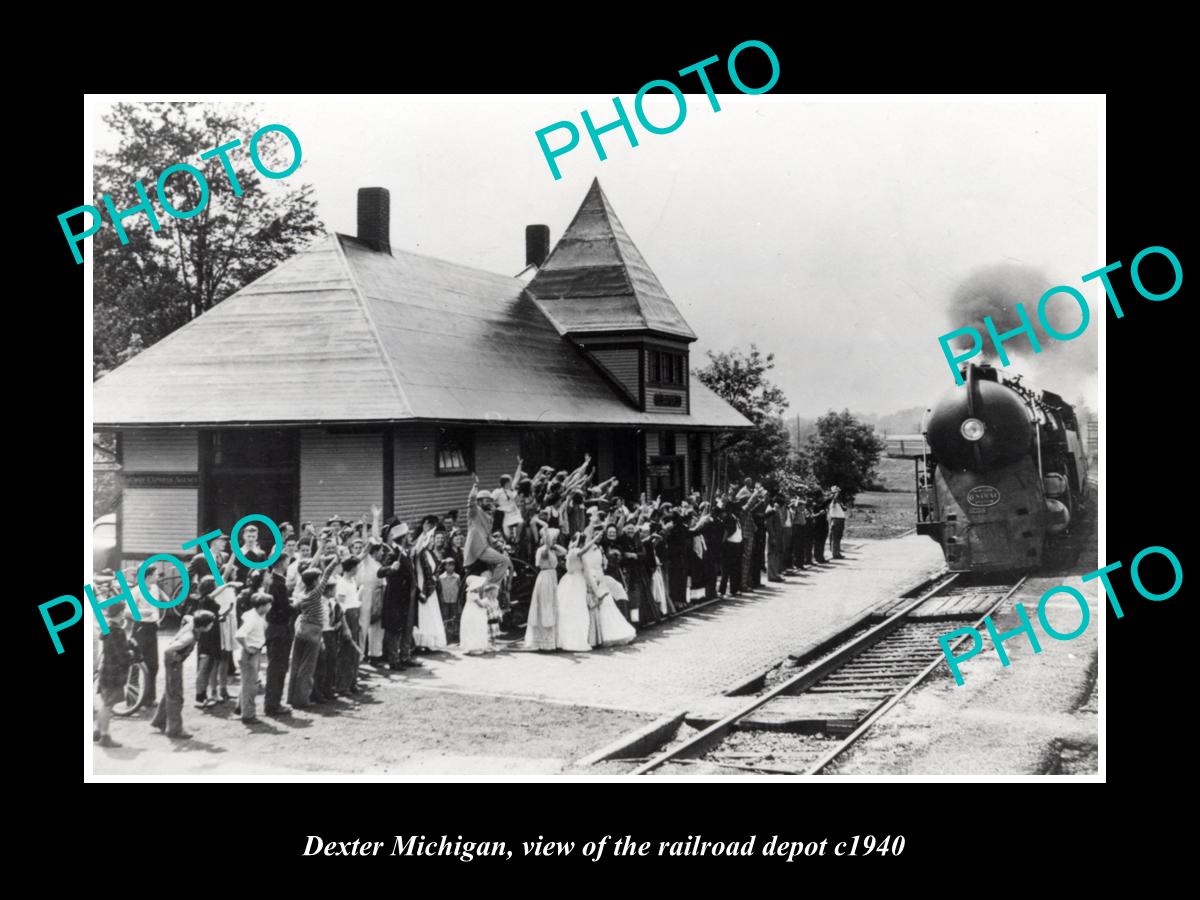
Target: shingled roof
<point>345,333</point>
<point>597,281</point>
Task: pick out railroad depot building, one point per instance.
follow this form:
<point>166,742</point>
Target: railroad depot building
<point>356,373</point>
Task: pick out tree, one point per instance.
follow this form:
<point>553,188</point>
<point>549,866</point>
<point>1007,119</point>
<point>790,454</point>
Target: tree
<point>765,453</point>
<point>160,280</point>
<point>844,452</point>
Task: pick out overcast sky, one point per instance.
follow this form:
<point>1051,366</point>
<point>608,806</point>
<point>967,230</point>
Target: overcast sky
<point>831,233</point>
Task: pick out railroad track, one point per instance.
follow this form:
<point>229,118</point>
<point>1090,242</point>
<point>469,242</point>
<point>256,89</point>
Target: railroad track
<point>841,689</point>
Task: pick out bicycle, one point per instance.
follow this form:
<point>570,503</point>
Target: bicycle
<point>135,693</point>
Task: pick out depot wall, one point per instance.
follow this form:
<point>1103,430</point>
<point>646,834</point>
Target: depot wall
<point>170,491</point>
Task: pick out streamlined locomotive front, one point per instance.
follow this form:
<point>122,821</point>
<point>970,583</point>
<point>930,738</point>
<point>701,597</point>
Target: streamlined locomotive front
<point>990,501</point>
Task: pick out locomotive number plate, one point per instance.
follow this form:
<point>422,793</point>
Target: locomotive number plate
<point>983,495</point>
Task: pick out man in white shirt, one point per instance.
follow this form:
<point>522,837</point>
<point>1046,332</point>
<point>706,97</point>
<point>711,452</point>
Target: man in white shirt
<point>837,524</point>
<point>145,632</point>
<point>252,638</point>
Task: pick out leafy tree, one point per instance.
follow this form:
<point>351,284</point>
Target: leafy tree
<point>844,452</point>
<point>740,378</point>
<point>765,452</point>
<point>160,280</point>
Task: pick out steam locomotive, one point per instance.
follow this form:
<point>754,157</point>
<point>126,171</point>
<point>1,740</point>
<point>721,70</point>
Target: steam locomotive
<point>1005,476</point>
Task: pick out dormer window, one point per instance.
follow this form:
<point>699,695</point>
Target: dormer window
<point>667,368</point>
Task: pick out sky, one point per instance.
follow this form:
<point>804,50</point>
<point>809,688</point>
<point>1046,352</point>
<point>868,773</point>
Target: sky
<point>830,233</point>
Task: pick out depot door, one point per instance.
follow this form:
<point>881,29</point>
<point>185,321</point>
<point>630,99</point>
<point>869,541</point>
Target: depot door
<point>249,471</point>
<point>666,478</point>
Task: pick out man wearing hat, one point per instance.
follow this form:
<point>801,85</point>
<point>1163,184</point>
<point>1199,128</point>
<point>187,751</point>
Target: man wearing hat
<point>801,542</point>
<point>480,510</point>
<point>399,603</point>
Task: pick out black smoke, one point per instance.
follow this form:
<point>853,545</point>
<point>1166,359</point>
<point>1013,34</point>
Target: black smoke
<point>995,290</point>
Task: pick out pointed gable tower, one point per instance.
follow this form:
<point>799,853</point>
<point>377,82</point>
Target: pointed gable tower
<point>601,295</point>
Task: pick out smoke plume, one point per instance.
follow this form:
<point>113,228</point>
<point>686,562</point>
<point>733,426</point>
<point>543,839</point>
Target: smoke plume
<point>1066,367</point>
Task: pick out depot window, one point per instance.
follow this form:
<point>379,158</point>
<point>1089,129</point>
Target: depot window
<point>667,368</point>
<point>455,451</point>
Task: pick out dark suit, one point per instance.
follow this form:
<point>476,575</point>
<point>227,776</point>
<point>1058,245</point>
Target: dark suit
<point>279,644</point>
<point>801,542</point>
<point>820,531</point>
<point>399,609</point>
<point>714,540</point>
<point>773,521</point>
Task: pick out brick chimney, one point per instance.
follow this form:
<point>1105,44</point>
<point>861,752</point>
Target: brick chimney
<point>537,244</point>
<point>374,225</point>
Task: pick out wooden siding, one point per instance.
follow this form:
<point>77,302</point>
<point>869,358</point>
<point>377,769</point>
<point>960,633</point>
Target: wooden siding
<point>340,474</point>
<point>681,393</point>
<point>622,365</point>
<point>157,520</point>
<point>419,491</point>
<point>160,450</point>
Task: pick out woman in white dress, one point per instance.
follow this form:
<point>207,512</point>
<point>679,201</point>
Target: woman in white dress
<point>571,602</point>
<point>606,626</point>
<point>370,594</point>
<point>543,604</point>
<point>430,633</point>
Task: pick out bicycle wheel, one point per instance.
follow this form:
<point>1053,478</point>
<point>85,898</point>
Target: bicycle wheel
<point>136,685</point>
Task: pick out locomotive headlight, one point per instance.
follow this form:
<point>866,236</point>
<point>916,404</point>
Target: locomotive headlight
<point>972,429</point>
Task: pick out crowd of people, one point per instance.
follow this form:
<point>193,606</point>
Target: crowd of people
<point>589,566</point>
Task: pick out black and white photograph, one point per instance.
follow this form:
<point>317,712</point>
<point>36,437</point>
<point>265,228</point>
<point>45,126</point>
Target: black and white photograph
<point>500,437</point>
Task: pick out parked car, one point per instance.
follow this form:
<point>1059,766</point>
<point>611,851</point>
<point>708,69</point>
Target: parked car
<point>104,543</point>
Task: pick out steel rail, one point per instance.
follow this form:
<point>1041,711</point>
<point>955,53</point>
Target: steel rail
<point>881,710</point>
<point>700,743</point>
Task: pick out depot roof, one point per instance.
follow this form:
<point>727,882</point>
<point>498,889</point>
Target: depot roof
<point>597,281</point>
<point>345,332</point>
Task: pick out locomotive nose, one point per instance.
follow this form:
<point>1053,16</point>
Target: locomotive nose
<point>979,425</point>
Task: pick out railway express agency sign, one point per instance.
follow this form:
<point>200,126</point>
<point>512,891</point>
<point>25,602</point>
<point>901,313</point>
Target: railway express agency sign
<point>983,495</point>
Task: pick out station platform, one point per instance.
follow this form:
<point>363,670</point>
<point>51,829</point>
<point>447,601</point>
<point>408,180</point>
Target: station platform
<point>703,653</point>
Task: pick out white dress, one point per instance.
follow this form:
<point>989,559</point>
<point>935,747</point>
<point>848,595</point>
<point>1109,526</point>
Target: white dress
<point>473,633</point>
<point>572,606</point>
<point>506,502</point>
<point>430,633</point>
<point>612,630</point>
<point>607,627</point>
<point>225,597</point>
<point>371,598</point>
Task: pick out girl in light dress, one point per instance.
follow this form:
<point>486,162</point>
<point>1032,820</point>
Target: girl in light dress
<point>540,631</point>
<point>505,498</point>
<point>473,634</point>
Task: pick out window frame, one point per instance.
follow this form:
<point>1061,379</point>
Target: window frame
<point>667,368</point>
<point>452,437</point>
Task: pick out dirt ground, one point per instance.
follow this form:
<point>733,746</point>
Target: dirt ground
<point>390,730</point>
